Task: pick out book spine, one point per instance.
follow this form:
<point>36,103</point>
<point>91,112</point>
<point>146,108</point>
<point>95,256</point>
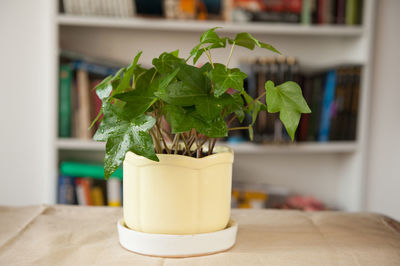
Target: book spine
<point>340,11</point>
<point>86,186</point>
<point>95,171</point>
<point>80,192</point>
<point>306,12</point>
<point>114,192</point>
<point>329,93</point>
<point>97,196</point>
<point>321,11</point>
<point>66,189</point>
<point>82,79</point>
<point>351,12</point>
<point>64,101</point>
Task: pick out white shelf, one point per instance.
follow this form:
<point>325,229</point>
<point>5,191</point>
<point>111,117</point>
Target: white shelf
<point>199,26</point>
<point>241,148</point>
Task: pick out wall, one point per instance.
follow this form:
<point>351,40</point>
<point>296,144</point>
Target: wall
<point>383,183</point>
<point>27,88</point>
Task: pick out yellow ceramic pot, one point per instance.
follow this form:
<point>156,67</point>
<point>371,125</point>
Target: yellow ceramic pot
<point>178,194</point>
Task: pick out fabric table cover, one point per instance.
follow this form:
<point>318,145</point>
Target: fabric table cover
<point>77,235</point>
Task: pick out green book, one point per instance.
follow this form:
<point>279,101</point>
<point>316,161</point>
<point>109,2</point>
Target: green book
<point>352,12</point>
<point>96,171</point>
<point>64,101</point>
<point>306,12</point>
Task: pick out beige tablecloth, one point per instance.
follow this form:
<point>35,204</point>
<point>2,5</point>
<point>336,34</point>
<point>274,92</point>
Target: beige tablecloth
<point>71,235</point>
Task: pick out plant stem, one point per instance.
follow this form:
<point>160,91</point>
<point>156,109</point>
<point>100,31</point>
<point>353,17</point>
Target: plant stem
<point>186,145</point>
<point>230,55</point>
<point>156,141</point>
<point>209,145</point>
<point>155,72</point>
<point>163,140</point>
<point>197,146</point>
<point>177,143</point>
<point>209,56</point>
<point>212,145</point>
<point>237,128</point>
<point>247,106</point>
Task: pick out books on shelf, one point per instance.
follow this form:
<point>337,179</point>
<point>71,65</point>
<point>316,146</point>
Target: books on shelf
<point>331,94</point>
<point>342,12</point>
<point>78,102</point>
<point>84,184</point>
<point>115,8</point>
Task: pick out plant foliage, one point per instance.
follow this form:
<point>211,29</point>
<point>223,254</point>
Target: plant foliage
<point>137,103</point>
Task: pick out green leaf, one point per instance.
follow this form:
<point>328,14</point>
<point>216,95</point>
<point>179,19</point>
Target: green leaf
<point>178,93</point>
<point>139,100</point>
<point>215,128</point>
<point>124,134</point>
<point>194,77</point>
<point>225,78</point>
<point>245,39</point>
<point>209,107</point>
<point>208,37</point>
<point>177,118</point>
<point>287,99</point>
<point>175,53</point>
<point>167,62</point>
<point>128,74</point>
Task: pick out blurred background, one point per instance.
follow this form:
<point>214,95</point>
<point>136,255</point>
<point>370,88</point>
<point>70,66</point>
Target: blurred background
<point>344,53</point>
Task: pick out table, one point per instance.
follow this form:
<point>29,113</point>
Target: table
<point>78,235</point>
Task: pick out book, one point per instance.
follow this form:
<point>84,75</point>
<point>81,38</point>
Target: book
<point>328,98</point>
<point>98,192</point>
<point>66,190</point>
<point>64,101</point>
<point>306,12</point>
<point>76,169</point>
<point>352,12</point>
<point>83,112</point>
<point>97,196</point>
<point>114,192</point>
<point>83,186</point>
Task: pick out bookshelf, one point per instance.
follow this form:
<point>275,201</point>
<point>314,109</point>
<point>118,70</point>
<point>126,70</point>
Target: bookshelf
<point>200,26</point>
<point>240,148</point>
<point>333,172</point>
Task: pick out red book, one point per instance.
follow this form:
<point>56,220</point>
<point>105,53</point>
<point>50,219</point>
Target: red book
<point>321,11</point>
<point>96,103</point>
<point>86,185</point>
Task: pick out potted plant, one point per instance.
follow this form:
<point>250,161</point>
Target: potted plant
<point>176,181</point>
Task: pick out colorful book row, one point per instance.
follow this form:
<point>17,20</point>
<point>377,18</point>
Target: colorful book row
<point>84,184</point>
<point>332,96</point>
<point>89,191</point>
<point>78,102</point>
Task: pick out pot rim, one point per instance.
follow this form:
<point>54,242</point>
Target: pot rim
<point>223,154</point>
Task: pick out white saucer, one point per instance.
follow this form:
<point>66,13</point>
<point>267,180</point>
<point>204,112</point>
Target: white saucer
<point>163,245</point>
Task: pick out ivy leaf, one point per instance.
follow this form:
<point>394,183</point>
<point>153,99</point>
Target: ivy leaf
<point>167,62</point>
<point>234,104</point>
<point>245,39</point>
<point>128,74</point>
<point>209,107</point>
<point>139,100</point>
<point>177,118</point>
<point>287,99</point>
<point>104,90</point>
<point>178,93</point>
<point>208,37</point>
<point>215,128</point>
<point>194,77</point>
<point>225,78</point>
<point>124,134</point>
